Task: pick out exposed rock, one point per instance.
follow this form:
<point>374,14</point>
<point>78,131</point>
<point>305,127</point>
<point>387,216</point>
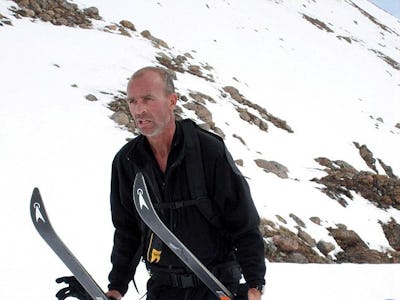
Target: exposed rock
<point>195,70</point>
<point>282,244</point>
<point>315,220</point>
<point>273,167</point>
<point>277,122</point>
<point>120,118</point>
<point>121,111</point>
<point>29,13</point>
<point>4,20</point>
<point>124,32</point>
<point>392,233</point>
<point>170,62</point>
<point>346,38</point>
<point>342,178</point>
<point>325,247</point>
<point>234,93</point>
<point>128,24</point>
<point>387,59</point>
<point>296,258</point>
<point>239,138</point>
<point>178,112</point>
<point>201,97</point>
<point>156,41</point>
<point>285,244</point>
<point>326,162</point>
<point>354,248</point>
<point>281,219</point>
<point>201,111</point>
<point>346,238</point>
<point>394,257</point>
<point>298,220</point>
<point>124,28</point>
<point>218,131</point>
<point>270,250</point>
<point>183,98</point>
<point>180,64</point>
<point>375,21</point>
<point>318,23</point>
<point>247,116</point>
<point>205,126</point>
<point>205,115</point>
<point>58,12</point>
<point>367,156</point>
<point>341,226</point>
<point>361,255</point>
<point>239,162</point>
<point>111,27</point>
<point>388,169</point>
<point>91,12</point>
<point>91,97</point>
<point>306,237</point>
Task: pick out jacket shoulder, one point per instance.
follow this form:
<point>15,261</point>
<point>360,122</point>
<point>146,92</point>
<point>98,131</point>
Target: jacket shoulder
<point>211,139</point>
<point>213,146</point>
<point>205,136</point>
<point>126,149</point>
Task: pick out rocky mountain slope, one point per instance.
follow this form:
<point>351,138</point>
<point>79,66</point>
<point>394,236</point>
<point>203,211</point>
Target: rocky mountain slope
<point>344,159</point>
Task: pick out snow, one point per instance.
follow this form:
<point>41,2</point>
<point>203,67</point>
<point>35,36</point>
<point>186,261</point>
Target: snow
<point>329,91</point>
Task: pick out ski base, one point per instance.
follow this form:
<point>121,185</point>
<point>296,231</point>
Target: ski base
<point>46,231</point>
<point>149,216</point>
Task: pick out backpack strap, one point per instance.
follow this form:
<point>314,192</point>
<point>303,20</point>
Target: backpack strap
<point>193,160</point>
<point>179,204</point>
<point>195,177</point>
<point>195,174</point>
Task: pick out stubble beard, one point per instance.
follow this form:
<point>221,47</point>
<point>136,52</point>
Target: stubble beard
<point>157,129</point>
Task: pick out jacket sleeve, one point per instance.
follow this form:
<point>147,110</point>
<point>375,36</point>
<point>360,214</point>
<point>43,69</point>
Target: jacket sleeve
<point>240,218</point>
<point>126,249</point>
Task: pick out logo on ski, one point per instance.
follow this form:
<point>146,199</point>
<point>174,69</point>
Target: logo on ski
<point>38,214</point>
<point>141,199</point>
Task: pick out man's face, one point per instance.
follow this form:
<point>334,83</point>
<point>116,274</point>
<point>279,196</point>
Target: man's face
<point>150,107</point>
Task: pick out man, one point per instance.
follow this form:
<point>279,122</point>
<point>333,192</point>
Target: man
<point>221,229</point>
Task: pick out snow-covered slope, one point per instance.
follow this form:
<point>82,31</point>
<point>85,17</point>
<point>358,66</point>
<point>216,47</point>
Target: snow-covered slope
<point>322,66</point>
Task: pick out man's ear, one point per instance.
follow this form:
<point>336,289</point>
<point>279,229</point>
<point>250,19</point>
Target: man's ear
<point>173,99</point>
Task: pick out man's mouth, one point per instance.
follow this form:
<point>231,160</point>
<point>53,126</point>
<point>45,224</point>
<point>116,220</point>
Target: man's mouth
<point>142,122</point>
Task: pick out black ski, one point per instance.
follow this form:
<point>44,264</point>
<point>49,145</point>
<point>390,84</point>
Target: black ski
<point>150,218</point>
<point>43,226</point>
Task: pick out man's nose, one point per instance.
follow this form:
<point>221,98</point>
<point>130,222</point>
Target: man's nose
<point>139,109</point>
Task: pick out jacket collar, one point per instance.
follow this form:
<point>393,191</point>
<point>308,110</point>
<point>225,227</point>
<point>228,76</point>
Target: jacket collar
<point>141,154</point>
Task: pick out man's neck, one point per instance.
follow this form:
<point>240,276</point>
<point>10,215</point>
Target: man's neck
<point>161,145</point>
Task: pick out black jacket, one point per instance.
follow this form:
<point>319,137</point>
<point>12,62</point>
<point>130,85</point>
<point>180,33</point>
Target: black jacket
<point>226,187</point>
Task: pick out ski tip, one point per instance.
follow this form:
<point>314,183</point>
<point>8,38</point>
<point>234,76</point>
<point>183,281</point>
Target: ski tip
<point>35,193</point>
<point>37,207</point>
<point>139,179</point>
<point>139,175</point>
<point>224,296</point>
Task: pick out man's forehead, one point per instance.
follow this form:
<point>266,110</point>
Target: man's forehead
<point>145,85</point>
<point>146,74</point>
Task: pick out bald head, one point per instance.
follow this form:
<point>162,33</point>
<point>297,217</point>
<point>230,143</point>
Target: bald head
<point>164,75</point>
